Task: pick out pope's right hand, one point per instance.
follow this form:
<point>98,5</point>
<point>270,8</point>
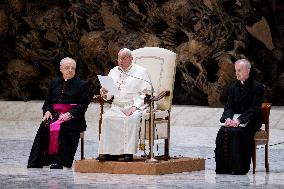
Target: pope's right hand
<point>47,116</point>
<point>103,92</point>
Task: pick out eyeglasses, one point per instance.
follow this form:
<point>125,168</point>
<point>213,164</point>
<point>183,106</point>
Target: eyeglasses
<point>69,68</point>
<point>122,58</point>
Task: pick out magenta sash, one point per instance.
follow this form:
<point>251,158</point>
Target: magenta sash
<point>55,126</point>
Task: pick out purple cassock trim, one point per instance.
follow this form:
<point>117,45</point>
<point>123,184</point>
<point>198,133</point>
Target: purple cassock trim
<point>55,126</point>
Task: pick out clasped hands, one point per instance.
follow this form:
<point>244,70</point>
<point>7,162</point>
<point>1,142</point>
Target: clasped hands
<point>63,117</point>
<point>232,123</point>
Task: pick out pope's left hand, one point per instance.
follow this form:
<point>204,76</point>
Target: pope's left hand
<point>131,111</point>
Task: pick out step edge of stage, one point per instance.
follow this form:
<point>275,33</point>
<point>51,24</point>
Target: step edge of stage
<point>177,165</point>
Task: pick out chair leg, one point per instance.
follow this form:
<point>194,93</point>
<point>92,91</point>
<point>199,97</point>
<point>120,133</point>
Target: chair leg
<point>167,148</point>
<point>266,158</point>
<point>82,149</point>
<point>254,157</point>
<point>167,141</point>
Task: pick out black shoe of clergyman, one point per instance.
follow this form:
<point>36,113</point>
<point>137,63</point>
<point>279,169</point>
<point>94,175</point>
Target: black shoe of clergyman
<point>56,166</point>
<point>128,157</point>
<point>34,166</point>
<point>239,173</point>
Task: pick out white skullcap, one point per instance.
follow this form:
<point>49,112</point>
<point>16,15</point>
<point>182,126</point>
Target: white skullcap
<point>127,50</point>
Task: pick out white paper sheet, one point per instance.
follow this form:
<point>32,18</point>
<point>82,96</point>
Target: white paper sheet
<point>108,83</point>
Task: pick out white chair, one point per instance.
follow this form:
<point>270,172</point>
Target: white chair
<point>161,65</point>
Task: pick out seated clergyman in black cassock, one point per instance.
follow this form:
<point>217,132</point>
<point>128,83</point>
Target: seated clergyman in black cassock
<point>241,119</point>
<point>63,119</point>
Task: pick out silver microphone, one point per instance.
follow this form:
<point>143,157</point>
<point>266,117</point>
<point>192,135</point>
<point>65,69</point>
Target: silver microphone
<point>152,88</point>
<point>120,69</point>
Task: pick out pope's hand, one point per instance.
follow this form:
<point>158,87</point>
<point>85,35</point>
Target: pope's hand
<point>103,92</point>
<point>131,111</point>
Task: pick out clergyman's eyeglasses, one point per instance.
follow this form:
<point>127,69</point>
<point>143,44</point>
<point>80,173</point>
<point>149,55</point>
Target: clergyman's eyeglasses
<point>69,68</point>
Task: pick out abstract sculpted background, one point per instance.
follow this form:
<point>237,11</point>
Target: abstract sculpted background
<point>208,37</point>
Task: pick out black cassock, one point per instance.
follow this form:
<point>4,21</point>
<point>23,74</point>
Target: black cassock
<point>73,91</point>
<point>234,145</point>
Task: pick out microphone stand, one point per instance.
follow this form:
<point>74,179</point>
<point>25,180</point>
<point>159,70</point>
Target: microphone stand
<point>151,132</point>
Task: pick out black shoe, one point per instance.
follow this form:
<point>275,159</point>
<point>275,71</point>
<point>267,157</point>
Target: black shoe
<point>102,157</point>
<point>128,157</point>
<point>239,173</point>
<point>107,157</point>
<point>223,171</point>
<point>112,158</point>
<point>34,166</point>
<point>56,166</point>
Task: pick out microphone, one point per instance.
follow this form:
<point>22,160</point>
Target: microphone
<point>152,88</point>
<point>124,72</point>
<point>150,101</point>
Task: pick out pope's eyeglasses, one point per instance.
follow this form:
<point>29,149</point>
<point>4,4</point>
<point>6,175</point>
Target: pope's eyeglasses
<point>122,58</point>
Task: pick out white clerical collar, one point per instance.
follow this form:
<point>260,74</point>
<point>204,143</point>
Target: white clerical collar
<point>242,82</point>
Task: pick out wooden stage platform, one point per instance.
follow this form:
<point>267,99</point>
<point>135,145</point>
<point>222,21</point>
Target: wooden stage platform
<point>140,167</point>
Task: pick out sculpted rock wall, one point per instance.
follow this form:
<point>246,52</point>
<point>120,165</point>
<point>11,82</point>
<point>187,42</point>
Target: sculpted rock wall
<point>208,37</point>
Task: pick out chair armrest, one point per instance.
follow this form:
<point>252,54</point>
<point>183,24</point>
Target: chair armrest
<point>101,100</point>
<point>161,95</point>
<point>98,98</point>
<point>158,97</point>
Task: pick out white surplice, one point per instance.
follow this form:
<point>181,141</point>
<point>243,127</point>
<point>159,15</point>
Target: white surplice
<point>120,133</point>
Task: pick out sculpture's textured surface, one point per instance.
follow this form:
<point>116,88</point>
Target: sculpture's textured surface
<point>208,37</point>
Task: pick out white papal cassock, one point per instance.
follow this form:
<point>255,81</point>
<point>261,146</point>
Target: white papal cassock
<point>119,134</point>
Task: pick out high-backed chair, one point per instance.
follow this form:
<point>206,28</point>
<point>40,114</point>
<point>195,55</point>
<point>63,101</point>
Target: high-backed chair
<point>262,137</point>
<point>161,66</point>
